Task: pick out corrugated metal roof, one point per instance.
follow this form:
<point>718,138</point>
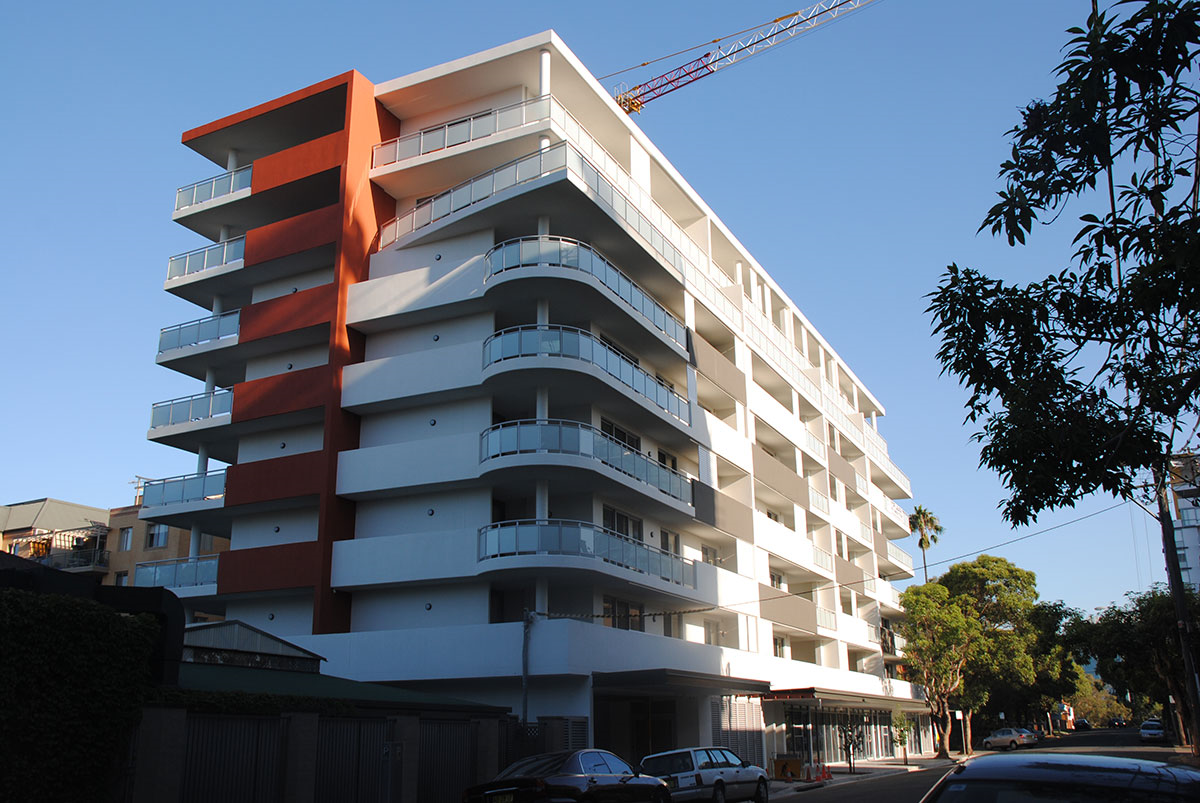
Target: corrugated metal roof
<point>237,635</point>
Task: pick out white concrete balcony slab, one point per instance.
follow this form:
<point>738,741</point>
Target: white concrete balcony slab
<point>790,545</point>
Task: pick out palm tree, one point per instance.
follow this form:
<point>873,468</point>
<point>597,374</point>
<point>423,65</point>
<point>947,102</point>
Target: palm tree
<point>926,524</point>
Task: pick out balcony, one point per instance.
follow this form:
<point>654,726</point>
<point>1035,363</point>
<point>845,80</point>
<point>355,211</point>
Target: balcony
<point>184,489</point>
<point>822,558</point>
<point>458,132</point>
<point>210,257</point>
<point>826,618</point>
<point>577,344</point>
<point>201,407</point>
<point>899,557</point>
<point>819,501</point>
<point>573,438</point>
<point>177,573</point>
<point>561,252</point>
<point>814,445</point>
<point>76,560</point>
<point>211,189</point>
<point>202,330</point>
<point>586,540</point>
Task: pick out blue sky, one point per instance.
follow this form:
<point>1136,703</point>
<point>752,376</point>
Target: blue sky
<point>855,163</point>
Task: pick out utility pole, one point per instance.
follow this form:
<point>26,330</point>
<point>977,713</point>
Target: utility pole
<point>1191,680</point>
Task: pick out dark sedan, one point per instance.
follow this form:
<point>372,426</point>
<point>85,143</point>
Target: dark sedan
<point>567,776</point>
<point>1064,776</point>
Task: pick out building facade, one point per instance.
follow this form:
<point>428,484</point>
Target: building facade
<point>495,406</point>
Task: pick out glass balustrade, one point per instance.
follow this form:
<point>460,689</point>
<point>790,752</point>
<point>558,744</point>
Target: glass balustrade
<point>873,633</point>
<point>893,510</point>
<point>191,408</point>
<point>814,444</point>
<point>566,253</point>
<point>178,573</point>
<point>822,558</point>
<point>211,256</point>
<point>75,559</point>
<point>583,539</point>
<point>818,500</point>
<point>185,488</point>
<point>571,437</point>
<point>826,618</point>
<point>899,557</point>
<point>869,584</point>
<point>215,187</point>
<point>865,535</point>
<point>578,344</point>
<point>468,129</point>
<point>202,330</point>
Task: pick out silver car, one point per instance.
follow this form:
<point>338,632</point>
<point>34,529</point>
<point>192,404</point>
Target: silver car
<point>708,773</point>
<point>1008,739</point>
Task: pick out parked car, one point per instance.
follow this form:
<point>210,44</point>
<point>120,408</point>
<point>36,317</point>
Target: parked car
<point>1063,777</point>
<point>1117,722</point>
<point>1152,730</point>
<point>1008,739</point>
<point>1037,737</point>
<point>1082,725</point>
<point>570,775</point>
<point>708,773</point>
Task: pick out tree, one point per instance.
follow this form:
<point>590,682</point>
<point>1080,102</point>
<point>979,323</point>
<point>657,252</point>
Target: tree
<point>1089,380</point>
<point>928,529</point>
<point>1097,704</point>
<point>1001,596</point>
<point>940,632</point>
<point>901,731</point>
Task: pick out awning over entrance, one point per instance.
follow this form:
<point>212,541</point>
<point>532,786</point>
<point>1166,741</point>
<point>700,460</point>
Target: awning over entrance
<point>674,682</point>
<point>814,695</point>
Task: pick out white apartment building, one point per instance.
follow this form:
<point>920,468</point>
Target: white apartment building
<point>506,412</point>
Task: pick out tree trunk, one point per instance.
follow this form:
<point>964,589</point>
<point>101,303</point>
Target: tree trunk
<point>967,731</point>
<point>944,745</point>
<point>1175,582</point>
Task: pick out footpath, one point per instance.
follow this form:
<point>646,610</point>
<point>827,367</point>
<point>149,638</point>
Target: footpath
<point>863,771</point>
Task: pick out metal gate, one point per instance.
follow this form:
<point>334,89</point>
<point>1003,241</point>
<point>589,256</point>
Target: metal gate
<point>448,759</point>
<point>234,759</point>
<point>355,761</point>
<point>737,723</point>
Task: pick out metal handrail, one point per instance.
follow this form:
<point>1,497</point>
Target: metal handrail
<point>584,539</point>
<point>184,488</point>
<point>201,330</point>
<point>559,436</point>
<point>177,572</point>
<point>468,129</point>
<point>191,408</point>
<point>210,256</point>
<point>207,189</point>
<point>564,252</point>
<point>570,342</point>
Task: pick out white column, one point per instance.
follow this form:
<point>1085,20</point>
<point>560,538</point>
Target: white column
<point>541,503</point>
<point>210,380</point>
<point>543,312</point>
<point>543,404</point>
<point>544,74</point>
<point>544,220</point>
<point>224,233</point>
<point>231,160</point>
<point>194,542</point>
<point>218,306</point>
<point>541,595</point>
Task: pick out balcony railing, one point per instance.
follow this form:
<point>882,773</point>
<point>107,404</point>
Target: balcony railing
<point>868,584</point>
<point>566,253</point>
<point>864,534</point>
<point>177,573</point>
<point>456,133</point>
<point>826,618</point>
<point>822,558</point>
<point>571,437</point>
<point>215,187</point>
<point>819,500</point>
<point>899,556</point>
<point>185,488</point>
<point>774,344</point>
<point>578,344</point>
<point>202,330</point>
<point>211,256</point>
<point>76,559</point>
<point>873,635</point>
<point>814,444</point>
<point>893,510</point>
<point>191,408</point>
<point>583,539</point>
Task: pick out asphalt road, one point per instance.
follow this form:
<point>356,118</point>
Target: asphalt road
<point>910,787</point>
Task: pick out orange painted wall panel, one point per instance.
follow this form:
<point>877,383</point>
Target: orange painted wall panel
<point>287,313</point>
<point>302,160</point>
<point>293,235</point>
<point>283,393</point>
<point>268,106</point>
<point>268,568</point>
<point>273,480</point>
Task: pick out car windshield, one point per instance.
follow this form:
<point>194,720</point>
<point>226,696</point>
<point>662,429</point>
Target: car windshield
<point>665,765</point>
<point>992,791</point>
<point>1151,726</point>
<point>535,766</point>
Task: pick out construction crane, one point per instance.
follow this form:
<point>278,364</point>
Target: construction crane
<point>775,32</point>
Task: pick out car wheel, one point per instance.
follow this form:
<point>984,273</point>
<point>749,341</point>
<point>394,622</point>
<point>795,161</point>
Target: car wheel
<point>1012,745</point>
<point>987,745</point>
<point>718,794</point>
<point>761,793</point>
<point>662,797</point>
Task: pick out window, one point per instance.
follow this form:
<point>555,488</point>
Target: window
<point>608,342</point>
<point>776,580</point>
<point>620,435</point>
<point>778,646</point>
<point>156,536</point>
<point>125,543</point>
<point>621,522</point>
<point>712,631</point>
<point>708,554</point>
<point>667,459</point>
<point>670,542</point>
<point>623,615</point>
<point>772,515</point>
<point>121,579</point>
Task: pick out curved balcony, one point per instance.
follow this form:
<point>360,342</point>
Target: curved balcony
<point>563,252</point>
<point>553,436</point>
<point>586,540</point>
<point>206,258</point>
<point>201,330</point>
<point>212,188</point>
<point>577,344</point>
<point>199,407</point>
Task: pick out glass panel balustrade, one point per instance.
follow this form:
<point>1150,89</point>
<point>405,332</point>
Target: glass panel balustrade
<point>191,408</point>
<point>184,488</point>
<point>822,558</point>
<point>571,437</point>
<point>899,557</point>
<point>75,559</point>
<point>202,330</point>
<point>826,618</point>
<point>467,129</point>
<point>819,500</point>
<point>578,344</point>
<point>215,187</point>
<point>177,573</point>
<point>211,256</point>
<point>583,539</point>
<point>566,253</point>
